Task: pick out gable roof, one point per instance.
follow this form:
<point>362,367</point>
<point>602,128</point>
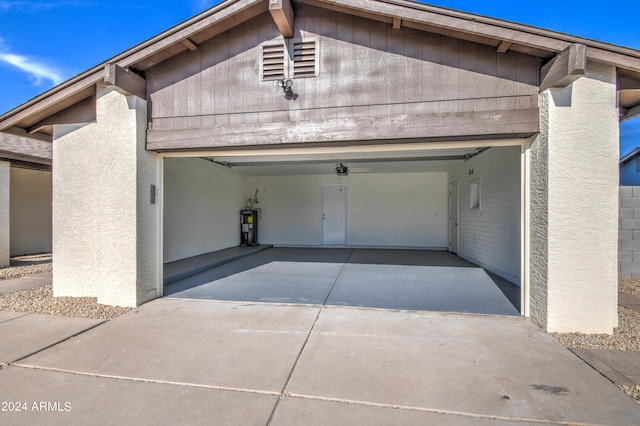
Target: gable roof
<point>630,155</point>
<point>503,35</point>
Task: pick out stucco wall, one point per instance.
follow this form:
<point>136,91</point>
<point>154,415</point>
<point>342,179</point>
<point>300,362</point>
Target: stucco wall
<point>580,125</point>
<point>490,236</point>
<point>292,209</point>
<point>30,211</point>
<point>538,218</point>
<point>104,238</point>
<point>202,203</point>
<point>5,177</point>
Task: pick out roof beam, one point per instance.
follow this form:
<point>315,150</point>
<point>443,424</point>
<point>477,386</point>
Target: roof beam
<point>504,46</point>
<point>189,44</point>
<point>565,68</point>
<point>125,81</point>
<point>350,130</point>
<point>397,23</point>
<point>282,14</point>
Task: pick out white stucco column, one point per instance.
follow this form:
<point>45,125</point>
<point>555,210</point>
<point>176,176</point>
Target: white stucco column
<point>105,228</point>
<point>574,206</point>
<point>4,214</point>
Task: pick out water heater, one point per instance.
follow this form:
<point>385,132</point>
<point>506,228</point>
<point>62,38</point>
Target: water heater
<point>248,227</point>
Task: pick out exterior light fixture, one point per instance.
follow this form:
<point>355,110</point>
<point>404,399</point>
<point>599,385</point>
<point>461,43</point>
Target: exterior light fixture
<point>287,87</point>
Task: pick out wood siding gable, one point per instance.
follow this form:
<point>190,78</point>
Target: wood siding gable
<point>366,73</point>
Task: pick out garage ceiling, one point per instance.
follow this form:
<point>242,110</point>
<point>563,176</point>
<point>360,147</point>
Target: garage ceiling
<point>289,169</point>
<point>408,161</point>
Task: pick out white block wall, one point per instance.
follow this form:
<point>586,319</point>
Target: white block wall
<point>5,178</point>
<point>391,209</point>
<point>490,236</point>
<point>106,234</point>
<point>30,211</point>
<point>202,203</point>
<point>574,206</point>
<point>629,232</point>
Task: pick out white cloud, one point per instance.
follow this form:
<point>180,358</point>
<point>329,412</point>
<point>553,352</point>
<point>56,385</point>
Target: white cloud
<point>25,6</point>
<point>36,71</point>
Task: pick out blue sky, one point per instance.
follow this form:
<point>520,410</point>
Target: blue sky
<point>44,42</point>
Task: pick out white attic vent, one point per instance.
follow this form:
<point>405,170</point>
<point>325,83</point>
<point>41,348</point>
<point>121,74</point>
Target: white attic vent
<point>305,58</point>
<point>272,62</point>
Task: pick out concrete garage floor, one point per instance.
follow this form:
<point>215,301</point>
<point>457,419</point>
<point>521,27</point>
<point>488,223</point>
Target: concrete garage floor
<point>387,279</point>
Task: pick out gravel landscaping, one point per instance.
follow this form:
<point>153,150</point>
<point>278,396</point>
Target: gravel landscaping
<point>633,392</point>
<point>40,300</point>
<point>625,337</point>
<point>630,285</point>
<point>21,266</point>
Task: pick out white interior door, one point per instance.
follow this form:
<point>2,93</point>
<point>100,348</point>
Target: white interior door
<point>453,217</point>
<point>334,214</point>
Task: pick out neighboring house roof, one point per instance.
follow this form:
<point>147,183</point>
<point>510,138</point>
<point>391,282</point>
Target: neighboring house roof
<point>37,116</point>
<point>630,155</point>
<point>25,152</point>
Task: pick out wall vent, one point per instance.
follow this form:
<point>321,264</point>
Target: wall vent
<point>305,58</point>
<point>272,62</point>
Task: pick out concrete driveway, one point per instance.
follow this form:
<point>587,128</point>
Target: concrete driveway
<point>177,361</point>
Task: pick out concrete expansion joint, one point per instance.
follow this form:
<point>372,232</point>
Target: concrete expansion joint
<point>284,391</point>
<point>143,380</point>
<point>14,318</point>
<point>44,348</point>
<point>437,411</point>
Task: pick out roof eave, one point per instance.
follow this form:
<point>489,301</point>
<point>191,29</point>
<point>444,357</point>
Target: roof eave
<point>128,58</point>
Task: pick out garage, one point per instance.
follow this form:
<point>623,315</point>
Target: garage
<point>404,207</point>
<point>436,114</point>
